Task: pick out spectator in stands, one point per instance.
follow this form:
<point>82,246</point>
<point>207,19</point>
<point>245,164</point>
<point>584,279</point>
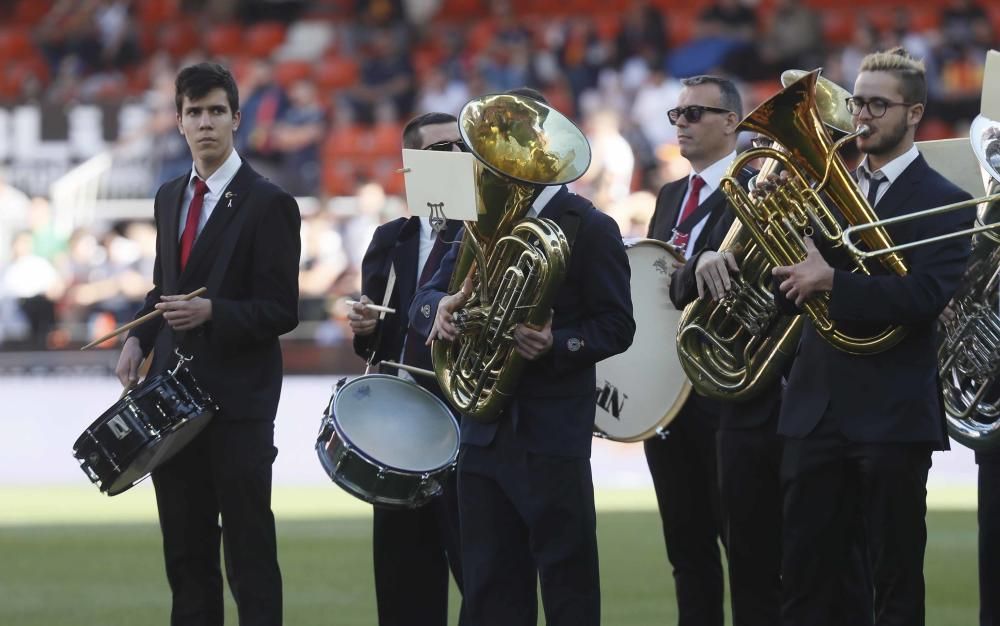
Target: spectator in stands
<point>647,109</point>
<point>35,284</point>
<point>609,178</point>
<point>297,136</point>
<point>323,261</point>
<point>386,73</point>
<point>794,39</point>
<point>440,93</point>
<point>643,33</point>
<point>957,19</point>
<point>265,104</point>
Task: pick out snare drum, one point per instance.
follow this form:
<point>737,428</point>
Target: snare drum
<point>146,427</point>
<point>387,441</point>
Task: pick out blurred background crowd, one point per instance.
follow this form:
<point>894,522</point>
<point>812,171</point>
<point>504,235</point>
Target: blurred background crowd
<point>87,117</point>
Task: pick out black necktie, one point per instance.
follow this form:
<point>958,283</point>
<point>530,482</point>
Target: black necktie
<point>875,180</point>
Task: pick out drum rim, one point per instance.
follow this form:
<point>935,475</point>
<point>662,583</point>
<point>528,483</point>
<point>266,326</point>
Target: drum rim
<point>332,417</point>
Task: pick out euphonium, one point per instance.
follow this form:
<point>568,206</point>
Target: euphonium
<point>969,352</point>
<point>516,264</point>
<point>734,348</point>
<point>780,221</point>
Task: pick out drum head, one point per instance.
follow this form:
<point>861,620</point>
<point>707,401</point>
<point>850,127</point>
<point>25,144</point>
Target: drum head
<point>643,388</point>
<point>396,423</point>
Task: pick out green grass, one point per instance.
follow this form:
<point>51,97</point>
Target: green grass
<point>71,557</point>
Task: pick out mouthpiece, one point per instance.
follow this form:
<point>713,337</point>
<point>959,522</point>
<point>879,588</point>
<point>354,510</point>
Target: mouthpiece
<point>863,130</point>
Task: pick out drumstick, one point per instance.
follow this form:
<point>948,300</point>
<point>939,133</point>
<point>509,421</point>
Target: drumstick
<point>145,318</point>
<point>373,307</point>
<point>409,368</point>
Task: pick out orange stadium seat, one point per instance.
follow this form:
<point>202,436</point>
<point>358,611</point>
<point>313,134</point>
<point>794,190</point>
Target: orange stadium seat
<point>179,38</point>
<point>287,72</point>
<point>262,39</point>
<point>838,27</point>
<point>225,40</point>
<point>158,12</point>
<point>14,43</point>
<point>346,142</point>
<point>386,139</point>
<point>608,26</point>
<point>336,72</point>
<point>30,12</point>
<point>339,179</point>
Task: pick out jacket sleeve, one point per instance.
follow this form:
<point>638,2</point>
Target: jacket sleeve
<point>423,309</point>
<point>934,274</point>
<point>606,327</point>
<point>272,310</point>
<point>374,279</point>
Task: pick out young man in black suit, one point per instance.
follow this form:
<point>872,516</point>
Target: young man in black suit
<point>412,548</point>
<point>223,227</point>
<point>526,495</point>
<point>859,429</point>
<point>682,462</point>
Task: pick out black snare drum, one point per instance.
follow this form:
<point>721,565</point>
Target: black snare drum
<point>146,427</point>
<point>387,441</point>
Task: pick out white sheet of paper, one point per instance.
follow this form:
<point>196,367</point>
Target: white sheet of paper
<point>956,161</point>
<point>444,180</point>
<point>990,106</point>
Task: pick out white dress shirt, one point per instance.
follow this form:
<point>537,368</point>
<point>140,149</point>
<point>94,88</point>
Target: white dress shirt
<point>891,170</point>
<point>712,175</point>
<point>217,183</point>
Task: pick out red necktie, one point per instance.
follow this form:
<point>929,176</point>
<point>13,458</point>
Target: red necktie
<point>193,217</point>
<point>681,238</point>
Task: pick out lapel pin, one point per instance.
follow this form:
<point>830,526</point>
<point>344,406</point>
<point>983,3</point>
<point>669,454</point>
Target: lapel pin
<point>229,195</point>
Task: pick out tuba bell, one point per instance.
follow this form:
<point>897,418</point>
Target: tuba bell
<point>779,222</point>
<point>734,348</point>
<point>516,263</point>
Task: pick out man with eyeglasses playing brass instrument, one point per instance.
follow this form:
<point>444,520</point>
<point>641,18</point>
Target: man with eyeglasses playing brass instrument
<point>859,429</point>
<point>412,549</point>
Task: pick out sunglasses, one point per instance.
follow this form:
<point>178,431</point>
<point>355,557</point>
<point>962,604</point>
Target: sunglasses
<point>692,113</point>
<point>446,146</point>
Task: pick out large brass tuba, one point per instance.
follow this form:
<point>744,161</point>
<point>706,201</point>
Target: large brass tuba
<point>516,263</point>
<point>779,222</point>
<point>734,348</point>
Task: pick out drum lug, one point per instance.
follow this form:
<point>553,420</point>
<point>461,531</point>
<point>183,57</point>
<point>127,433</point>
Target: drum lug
<point>381,474</point>
<point>662,433</point>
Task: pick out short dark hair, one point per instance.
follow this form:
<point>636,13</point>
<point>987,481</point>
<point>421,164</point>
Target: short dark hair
<point>195,81</point>
<point>528,92</point>
<point>730,96</point>
<point>411,133</point>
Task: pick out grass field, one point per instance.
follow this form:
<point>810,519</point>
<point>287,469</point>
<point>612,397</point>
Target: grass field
<point>71,557</point>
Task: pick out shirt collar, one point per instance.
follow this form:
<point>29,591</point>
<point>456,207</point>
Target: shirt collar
<point>894,168</point>
<point>712,175</point>
<point>543,199</point>
<point>220,177</point>
<point>426,231</point>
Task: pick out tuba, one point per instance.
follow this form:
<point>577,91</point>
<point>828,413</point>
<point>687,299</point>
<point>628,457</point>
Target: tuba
<point>779,222</point>
<point>516,264</point>
<point>736,347</point>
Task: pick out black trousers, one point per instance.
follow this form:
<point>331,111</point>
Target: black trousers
<point>750,487</point>
<point>224,472</point>
<point>527,518</point>
<point>989,539</point>
<point>828,485</point>
<point>682,464</point>
<point>413,550</point>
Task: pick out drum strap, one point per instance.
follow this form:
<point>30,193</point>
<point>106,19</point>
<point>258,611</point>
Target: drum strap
<point>390,285</point>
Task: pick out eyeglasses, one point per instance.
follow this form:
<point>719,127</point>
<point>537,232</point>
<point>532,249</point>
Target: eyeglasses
<point>692,112</point>
<point>445,146</point>
<point>876,106</point>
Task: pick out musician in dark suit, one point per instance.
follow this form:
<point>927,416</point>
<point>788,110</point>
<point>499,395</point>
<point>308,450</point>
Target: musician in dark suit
<point>223,227</point>
<point>859,429</point>
<point>682,461</point>
<point>412,548</point>
<point>526,495</point>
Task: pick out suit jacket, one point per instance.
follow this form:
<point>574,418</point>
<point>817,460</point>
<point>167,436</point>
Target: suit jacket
<point>683,285</point>
<point>397,244</point>
<point>892,396</point>
<point>553,408</point>
<point>254,295</point>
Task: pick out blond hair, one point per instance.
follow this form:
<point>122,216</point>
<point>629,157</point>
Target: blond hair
<point>910,72</point>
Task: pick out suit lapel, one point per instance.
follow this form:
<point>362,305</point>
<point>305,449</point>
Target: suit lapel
<point>668,207</point>
<point>405,257</point>
<point>716,204</point>
<point>225,209</point>
<point>555,207</point>
<point>173,197</point>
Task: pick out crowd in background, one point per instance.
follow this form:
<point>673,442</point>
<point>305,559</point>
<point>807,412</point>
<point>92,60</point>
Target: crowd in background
<point>326,86</point>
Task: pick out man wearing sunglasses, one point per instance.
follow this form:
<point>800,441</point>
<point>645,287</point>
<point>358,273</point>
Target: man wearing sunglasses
<point>412,548</point>
<point>859,429</point>
<point>693,214</point>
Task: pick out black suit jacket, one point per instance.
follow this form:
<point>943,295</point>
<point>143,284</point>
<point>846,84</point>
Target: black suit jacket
<point>248,257</point>
<point>554,405</point>
<point>396,243</point>
<point>892,396</point>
